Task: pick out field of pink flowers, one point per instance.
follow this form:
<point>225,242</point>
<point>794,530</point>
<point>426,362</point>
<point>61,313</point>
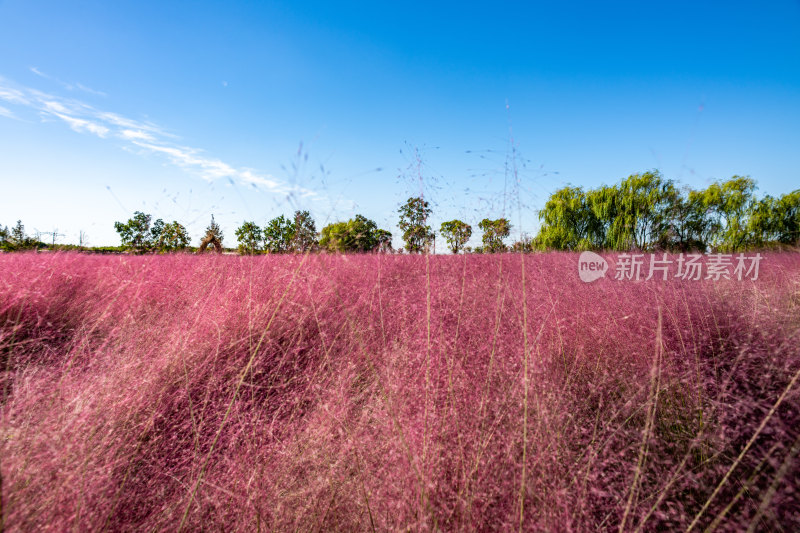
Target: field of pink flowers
<point>381,392</point>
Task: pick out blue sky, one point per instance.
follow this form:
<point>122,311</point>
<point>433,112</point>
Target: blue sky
<point>248,110</point>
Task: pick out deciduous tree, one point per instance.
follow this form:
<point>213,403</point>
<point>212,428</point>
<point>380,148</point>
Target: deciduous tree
<point>358,234</point>
<point>278,235</point>
<point>788,218</point>
<point>494,231</point>
<point>172,237</point>
<point>384,240</point>
<point>413,222</point>
<point>456,233</point>
<point>249,237</point>
<point>136,233</point>
<point>305,232</point>
<point>642,211</point>
<point>569,221</point>
<point>689,226</point>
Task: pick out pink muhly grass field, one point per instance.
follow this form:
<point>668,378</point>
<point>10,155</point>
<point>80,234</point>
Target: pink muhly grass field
<point>381,392</point>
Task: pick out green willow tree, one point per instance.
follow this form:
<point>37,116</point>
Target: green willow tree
<point>636,214</point>
<point>774,220</point>
<point>787,213</point>
<point>642,206</point>
<point>569,221</point>
<point>728,206</point>
<point>647,212</point>
<point>689,227</point>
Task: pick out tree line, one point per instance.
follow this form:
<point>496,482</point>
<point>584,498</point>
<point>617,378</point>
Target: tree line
<point>298,234</point>
<point>647,212</point>
<point>644,211</point>
<point>17,239</point>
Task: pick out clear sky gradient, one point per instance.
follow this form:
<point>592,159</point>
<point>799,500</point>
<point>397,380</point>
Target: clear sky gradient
<point>248,110</point>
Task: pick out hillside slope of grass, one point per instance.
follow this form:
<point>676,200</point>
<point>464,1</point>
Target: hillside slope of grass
<point>394,392</point>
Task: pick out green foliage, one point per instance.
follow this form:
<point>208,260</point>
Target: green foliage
<point>569,219</point>
<point>139,235</point>
<point>18,237</point>
<point>383,240</point>
<point>305,232</point>
<point>763,222</point>
<point>728,206</point>
<point>249,237</point>
<point>413,223</point>
<point>278,235</point>
<point>636,214</point>
<point>172,237</point>
<point>15,239</point>
<point>787,215</point>
<point>106,249</point>
<point>135,234</point>
<point>155,232</point>
<point>646,212</point>
<point>774,220</point>
<point>689,228</point>
<point>358,234</point>
<point>456,233</point>
<point>494,231</point>
<point>334,237</point>
<point>642,206</point>
<point>4,238</point>
<point>604,206</point>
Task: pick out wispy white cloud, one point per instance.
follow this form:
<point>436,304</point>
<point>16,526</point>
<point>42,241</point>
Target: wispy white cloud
<point>55,107</point>
<point>127,123</point>
<point>138,135</point>
<point>12,95</point>
<point>39,72</point>
<point>89,90</point>
<point>142,137</point>
<point>80,125</point>
<point>68,86</point>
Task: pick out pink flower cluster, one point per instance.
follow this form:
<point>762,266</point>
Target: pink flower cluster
<point>375,392</point>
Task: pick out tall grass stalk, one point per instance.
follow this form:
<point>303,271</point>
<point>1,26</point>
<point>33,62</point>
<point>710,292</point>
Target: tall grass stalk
<point>370,393</point>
